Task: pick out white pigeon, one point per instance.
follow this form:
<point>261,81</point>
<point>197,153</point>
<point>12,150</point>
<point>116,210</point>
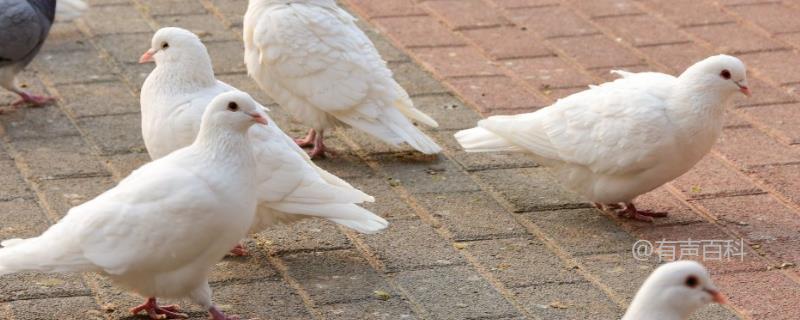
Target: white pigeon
<point>313,60</point>
<point>674,291</point>
<point>161,230</point>
<point>616,141</point>
<point>290,186</point>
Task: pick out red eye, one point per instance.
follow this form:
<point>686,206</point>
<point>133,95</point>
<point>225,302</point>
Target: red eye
<point>725,74</point>
<point>691,281</point>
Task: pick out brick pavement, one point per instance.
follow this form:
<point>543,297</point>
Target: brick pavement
<point>473,236</point>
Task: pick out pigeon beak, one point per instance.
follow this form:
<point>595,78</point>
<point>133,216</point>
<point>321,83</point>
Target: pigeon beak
<point>147,57</point>
<point>744,89</point>
<point>717,296</point>
<point>257,117</point>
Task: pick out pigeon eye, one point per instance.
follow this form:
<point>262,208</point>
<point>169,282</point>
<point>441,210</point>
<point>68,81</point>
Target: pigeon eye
<point>164,45</point>
<point>691,281</point>
<point>725,74</point>
<point>233,106</point>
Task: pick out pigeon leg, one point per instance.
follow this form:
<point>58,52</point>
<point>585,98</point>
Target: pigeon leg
<point>29,99</point>
<point>308,140</point>
<point>154,311</point>
<point>218,315</point>
<point>239,251</point>
<point>631,212</point>
<point>607,206</point>
<point>320,150</point>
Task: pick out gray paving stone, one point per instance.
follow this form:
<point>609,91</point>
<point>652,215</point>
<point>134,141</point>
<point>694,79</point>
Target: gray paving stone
<point>136,73</point>
<point>205,26</point>
<point>388,51</point>
<point>64,194</point>
<point>126,20</point>
<point>81,307</point>
<point>454,293</point>
<point>35,285</point>
<point>449,112</point>
<point>399,247</point>
<point>471,215</point>
<point>415,80</point>
<point>221,51</point>
<point>99,98</point>
<point>244,83</point>
<point>173,7</point>
<point>346,166</point>
<point>583,231</point>
<point>66,37</point>
<point>74,155</point>
<point>61,66</point>
<point>22,218</point>
<point>335,276</point>
<point>126,48</point>
<point>424,174</point>
<point>262,299</point>
<point>523,261</point>
<point>578,300</point>
<point>306,235</point>
<point>252,268</point>
<point>530,189</point>
<point>44,122</point>
<point>115,134</point>
<point>388,203</point>
<point>124,164</point>
<point>11,183</point>
<point>372,309</point>
<point>620,271</point>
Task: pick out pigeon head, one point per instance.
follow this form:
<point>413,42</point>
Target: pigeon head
<point>173,45</point>
<point>723,73</point>
<point>675,289</point>
<point>235,110</point>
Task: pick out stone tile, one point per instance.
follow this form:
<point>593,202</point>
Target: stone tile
<point>597,51</point>
<point>785,178</point>
<point>549,72</point>
<point>748,147</point>
<point>23,218</point>
<point>66,37</point>
<point>372,309</point>
<point>775,65</point>
<point>415,80</point>
<point>64,194</point>
<point>75,157</point>
<point>551,21</point>
<point>735,38</point>
<point>643,30</point>
<point>81,307</point>
<point>11,183</point>
<point>387,50</point>
<point>42,123</point>
<point>335,276</point>
<point>448,111</point>
<point>388,203</point>
<point>775,17</point>
<point>115,134</point>
<point>765,94</point>
<point>36,285</point>
<point>701,13</point>
<point>605,8</point>
<point>530,189</point>
<point>418,31</point>
<point>489,93</point>
<point>779,120</point>
<point>583,231</point>
<point>398,247</point>
<point>508,42</point>
<point>661,200</point>
<point>471,215</point>
<point>711,177</point>
<point>439,290</point>
<point>466,14</point>
<point>99,98</point>
<point>173,7</point>
<point>677,57</point>
<point>205,26</point>
<point>221,51</point>
<point>521,262</point>
<point>517,4</point>
<point>306,235</point>
<point>260,298</point>
<point>619,271</point>
<point>126,48</point>
<point>253,267</point>
<point>376,9</point>
<point>758,218</point>
<point>61,66</point>
<point>136,73</point>
<point>126,20</point>
<point>448,62</point>
<point>421,174</point>
<point>765,295</point>
<point>124,164</point>
<point>578,300</point>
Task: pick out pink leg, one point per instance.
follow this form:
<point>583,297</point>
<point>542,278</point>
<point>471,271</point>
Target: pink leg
<point>320,151</point>
<point>607,206</point>
<point>218,315</point>
<point>239,251</point>
<point>154,311</point>
<point>631,212</point>
<point>34,100</point>
<point>308,140</point>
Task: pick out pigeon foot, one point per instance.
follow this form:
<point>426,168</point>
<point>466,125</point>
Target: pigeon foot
<point>32,100</point>
<point>631,212</point>
<point>216,314</point>
<point>154,311</point>
<point>239,251</point>
<point>320,150</point>
<point>308,141</point>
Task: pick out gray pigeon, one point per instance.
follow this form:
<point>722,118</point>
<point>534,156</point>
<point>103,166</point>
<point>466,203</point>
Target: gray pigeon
<point>24,26</point>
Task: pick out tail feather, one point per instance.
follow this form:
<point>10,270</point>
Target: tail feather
<point>40,254</point>
<point>481,140</point>
<point>349,215</point>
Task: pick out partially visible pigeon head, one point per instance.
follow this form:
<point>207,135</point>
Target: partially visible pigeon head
<point>676,288</point>
<point>721,72</point>
<point>235,110</point>
<point>175,44</point>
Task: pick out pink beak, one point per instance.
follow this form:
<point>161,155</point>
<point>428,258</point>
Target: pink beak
<point>258,118</point>
<point>147,56</point>
<point>745,90</point>
<point>717,296</point>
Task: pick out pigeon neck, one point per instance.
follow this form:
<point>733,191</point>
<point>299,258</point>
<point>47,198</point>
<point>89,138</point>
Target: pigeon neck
<point>184,76</point>
<point>222,143</point>
<point>697,109</point>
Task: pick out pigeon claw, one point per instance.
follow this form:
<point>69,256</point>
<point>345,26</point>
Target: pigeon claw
<point>631,212</point>
<point>308,141</point>
<point>32,100</point>
<point>239,251</point>
<point>216,314</point>
<point>154,311</point>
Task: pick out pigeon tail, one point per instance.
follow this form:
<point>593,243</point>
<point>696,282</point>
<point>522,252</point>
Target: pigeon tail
<point>53,251</point>
<point>349,215</point>
<point>481,140</point>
